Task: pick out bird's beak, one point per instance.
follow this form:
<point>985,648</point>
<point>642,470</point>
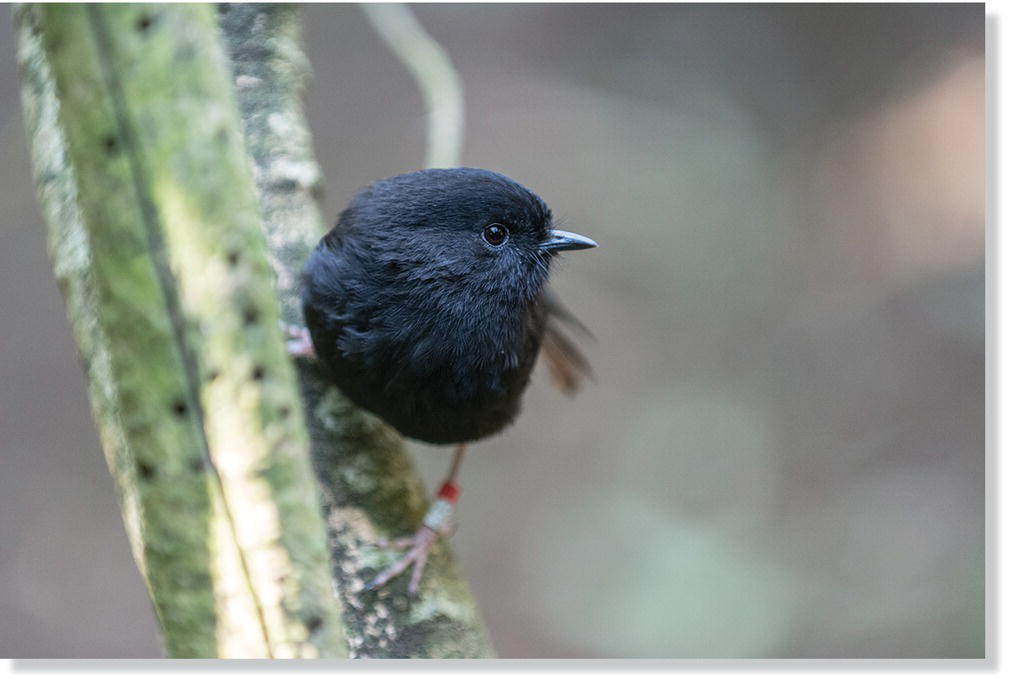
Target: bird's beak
<point>561,240</point>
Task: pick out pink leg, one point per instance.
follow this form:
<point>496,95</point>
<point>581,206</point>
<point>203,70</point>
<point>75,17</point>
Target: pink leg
<point>438,522</point>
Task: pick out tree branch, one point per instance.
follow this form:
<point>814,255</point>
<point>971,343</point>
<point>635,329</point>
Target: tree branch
<point>369,486</point>
<point>157,243</point>
<point>433,72</point>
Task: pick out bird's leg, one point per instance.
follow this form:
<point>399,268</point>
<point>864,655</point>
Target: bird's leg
<point>298,342</point>
<point>439,521</point>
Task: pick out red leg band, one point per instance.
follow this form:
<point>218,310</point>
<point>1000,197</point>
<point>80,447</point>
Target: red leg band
<point>449,492</point>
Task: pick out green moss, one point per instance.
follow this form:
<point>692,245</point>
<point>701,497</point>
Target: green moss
<point>168,259</point>
<point>368,485</point>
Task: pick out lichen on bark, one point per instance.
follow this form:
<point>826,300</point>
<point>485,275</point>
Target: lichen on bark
<point>369,487</point>
<point>157,241</point>
<point>168,254</point>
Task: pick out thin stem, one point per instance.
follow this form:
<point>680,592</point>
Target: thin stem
<point>433,72</point>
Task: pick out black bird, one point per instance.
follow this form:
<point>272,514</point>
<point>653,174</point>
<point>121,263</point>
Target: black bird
<point>427,305</point>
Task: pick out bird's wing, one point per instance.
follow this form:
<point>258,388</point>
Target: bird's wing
<point>568,367</point>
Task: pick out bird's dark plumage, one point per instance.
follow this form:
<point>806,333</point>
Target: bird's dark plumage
<point>427,302</point>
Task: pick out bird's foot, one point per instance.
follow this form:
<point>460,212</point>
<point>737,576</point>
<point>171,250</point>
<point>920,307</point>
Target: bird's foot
<point>420,545</point>
<point>298,342</point>
<point>439,521</point>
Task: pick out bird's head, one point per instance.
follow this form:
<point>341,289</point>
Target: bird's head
<point>470,231</point>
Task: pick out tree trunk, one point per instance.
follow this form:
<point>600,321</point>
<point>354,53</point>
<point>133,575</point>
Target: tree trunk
<point>370,489</point>
<point>157,241</point>
<point>157,236</point>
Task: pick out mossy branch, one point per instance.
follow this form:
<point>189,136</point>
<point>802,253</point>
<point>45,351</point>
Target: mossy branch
<point>157,242</point>
<point>369,486</point>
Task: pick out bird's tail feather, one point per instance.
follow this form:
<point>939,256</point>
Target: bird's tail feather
<point>568,367</point>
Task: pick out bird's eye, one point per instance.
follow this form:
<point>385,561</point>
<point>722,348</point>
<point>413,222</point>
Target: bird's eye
<point>495,234</point>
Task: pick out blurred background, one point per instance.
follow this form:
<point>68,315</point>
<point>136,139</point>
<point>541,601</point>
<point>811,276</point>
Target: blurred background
<point>784,452</point>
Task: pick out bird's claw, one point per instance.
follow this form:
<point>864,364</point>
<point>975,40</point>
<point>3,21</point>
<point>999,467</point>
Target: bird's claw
<point>421,545</point>
<point>298,342</point>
